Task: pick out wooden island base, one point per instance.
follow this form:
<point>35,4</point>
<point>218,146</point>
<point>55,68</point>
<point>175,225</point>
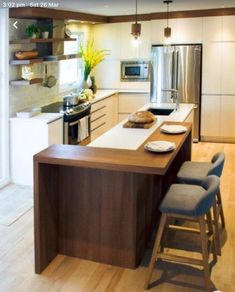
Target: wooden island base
<point>101,204</point>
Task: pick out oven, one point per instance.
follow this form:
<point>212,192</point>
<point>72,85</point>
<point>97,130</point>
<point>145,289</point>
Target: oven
<point>134,70</point>
<point>77,128</point>
<point>77,120</point>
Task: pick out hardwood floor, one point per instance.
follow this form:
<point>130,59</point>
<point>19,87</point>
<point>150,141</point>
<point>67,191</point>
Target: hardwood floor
<point>70,274</point>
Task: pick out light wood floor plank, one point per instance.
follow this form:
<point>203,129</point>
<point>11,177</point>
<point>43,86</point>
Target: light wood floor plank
<point>66,274</point>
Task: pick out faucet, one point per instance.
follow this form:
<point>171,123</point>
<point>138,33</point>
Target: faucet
<point>174,96</point>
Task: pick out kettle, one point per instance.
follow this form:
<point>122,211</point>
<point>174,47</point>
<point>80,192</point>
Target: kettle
<point>71,99</point>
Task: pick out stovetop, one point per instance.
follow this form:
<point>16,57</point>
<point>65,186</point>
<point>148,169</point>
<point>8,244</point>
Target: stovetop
<point>60,107</point>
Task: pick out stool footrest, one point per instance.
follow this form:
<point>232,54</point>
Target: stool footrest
<point>175,258</point>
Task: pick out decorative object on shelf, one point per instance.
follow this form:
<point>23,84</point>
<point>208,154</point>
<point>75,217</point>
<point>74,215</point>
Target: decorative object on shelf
<point>49,81</point>
<point>33,31</point>
<point>46,30</point>
<point>93,85</point>
<point>27,72</point>
<point>167,29</point>
<point>136,27</point>
<point>91,57</point>
<point>86,94</point>
<point>25,55</point>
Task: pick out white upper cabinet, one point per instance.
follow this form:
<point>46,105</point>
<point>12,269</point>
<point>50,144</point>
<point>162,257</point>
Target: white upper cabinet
<point>228,68</point>
<point>212,29</point>
<point>228,28</point>
<point>211,68</point>
<point>107,36</point>
<point>189,30</point>
<point>129,49</point>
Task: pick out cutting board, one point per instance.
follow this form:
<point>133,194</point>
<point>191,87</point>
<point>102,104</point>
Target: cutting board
<point>138,125</point>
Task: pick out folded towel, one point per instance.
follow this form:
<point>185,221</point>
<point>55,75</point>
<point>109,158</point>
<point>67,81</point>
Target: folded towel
<point>83,129</point>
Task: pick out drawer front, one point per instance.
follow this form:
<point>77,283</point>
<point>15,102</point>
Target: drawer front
<point>99,113</point>
<point>98,105</point>
<point>101,121</point>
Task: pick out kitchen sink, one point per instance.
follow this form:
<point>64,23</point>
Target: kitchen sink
<point>161,111</point>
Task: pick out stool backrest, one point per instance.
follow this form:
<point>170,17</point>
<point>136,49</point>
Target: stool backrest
<point>217,164</point>
<point>211,186</point>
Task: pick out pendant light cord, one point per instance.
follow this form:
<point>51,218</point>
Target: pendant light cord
<point>136,11</point>
<point>167,14</point>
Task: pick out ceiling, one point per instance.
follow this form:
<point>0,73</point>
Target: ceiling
<point>127,7</point>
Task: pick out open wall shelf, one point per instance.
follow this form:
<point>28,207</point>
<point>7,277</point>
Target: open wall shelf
<point>21,82</point>
<point>33,41</point>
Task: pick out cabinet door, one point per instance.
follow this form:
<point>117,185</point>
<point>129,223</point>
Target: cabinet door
<point>228,69</point>
<point>228,32</point>
<point>189,30</point>
<point>228,116</point>
<point>210,115</point>
<point>131,102</point>
<point>55,132</point>
<point>211,68</point>
<point>212,29</point>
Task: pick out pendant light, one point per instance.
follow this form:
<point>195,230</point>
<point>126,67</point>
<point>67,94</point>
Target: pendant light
<point>136,27</point>
<point>167,29</point>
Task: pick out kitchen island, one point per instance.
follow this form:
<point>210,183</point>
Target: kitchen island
<point>101,204</point>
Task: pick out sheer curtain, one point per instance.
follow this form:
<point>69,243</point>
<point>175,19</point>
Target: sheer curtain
<point>4,97</point>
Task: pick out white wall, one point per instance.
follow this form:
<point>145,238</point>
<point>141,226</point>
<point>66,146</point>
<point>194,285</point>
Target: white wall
<point>4,98</point>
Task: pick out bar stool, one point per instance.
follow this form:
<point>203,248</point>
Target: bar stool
<point>177,204</point>
<point>193,172</point>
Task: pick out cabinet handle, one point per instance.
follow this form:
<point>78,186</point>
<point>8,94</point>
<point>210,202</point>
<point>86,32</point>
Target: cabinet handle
<point>98,127</point>
<point>98,109</point>
<point>98,118</point>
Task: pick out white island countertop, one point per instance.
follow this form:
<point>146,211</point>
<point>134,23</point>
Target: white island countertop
<point>131,139</point>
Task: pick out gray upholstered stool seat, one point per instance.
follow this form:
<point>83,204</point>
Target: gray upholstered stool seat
<point>182,199</point>
<point>193,203</point>
<point>193,172</point>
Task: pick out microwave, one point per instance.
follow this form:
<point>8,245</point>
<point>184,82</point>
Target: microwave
<point>134,70</point>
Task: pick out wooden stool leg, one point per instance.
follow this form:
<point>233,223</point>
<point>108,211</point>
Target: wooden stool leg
<point>205,257</point>
<point>221,211</point>
<point>155,250</point>
<point>216,225</point>
<point>211,232</point>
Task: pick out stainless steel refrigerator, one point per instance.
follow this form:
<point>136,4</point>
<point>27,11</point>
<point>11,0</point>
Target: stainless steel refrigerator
<point>177,67</point>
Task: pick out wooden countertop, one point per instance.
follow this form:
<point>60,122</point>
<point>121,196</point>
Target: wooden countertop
<point>138,161</point>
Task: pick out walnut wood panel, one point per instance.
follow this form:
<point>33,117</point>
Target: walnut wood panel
<point>100,213</point>
<point>27,12</point>
<point>174,14</point>
<point>140,161</point>
<point>31,12</point>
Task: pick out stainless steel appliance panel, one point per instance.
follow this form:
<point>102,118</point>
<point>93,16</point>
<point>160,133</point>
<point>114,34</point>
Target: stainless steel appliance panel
<point>177,67</point>
<point>189,73</point>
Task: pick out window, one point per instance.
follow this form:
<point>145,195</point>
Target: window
<point>71,70</point>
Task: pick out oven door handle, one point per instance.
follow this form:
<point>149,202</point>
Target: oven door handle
<point>74,123</point>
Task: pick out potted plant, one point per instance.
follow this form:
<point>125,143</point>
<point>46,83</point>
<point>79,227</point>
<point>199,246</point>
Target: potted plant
<point>91,58</point>
<point>46,30</point>
<point>32,31</point>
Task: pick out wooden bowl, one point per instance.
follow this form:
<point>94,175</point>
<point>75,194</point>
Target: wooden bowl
<point>25,55</point>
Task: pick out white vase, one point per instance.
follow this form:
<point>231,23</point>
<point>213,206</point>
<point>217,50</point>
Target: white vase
<point>45,34</point>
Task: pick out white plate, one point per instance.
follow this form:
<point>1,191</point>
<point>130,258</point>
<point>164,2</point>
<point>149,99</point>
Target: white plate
<point>173,129</point>
<point>159,146</point>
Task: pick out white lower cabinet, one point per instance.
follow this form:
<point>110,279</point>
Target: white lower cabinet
<point>28,137</point>
<point>218,118</point>
<point>130,102</point>
<point>103,115</point>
